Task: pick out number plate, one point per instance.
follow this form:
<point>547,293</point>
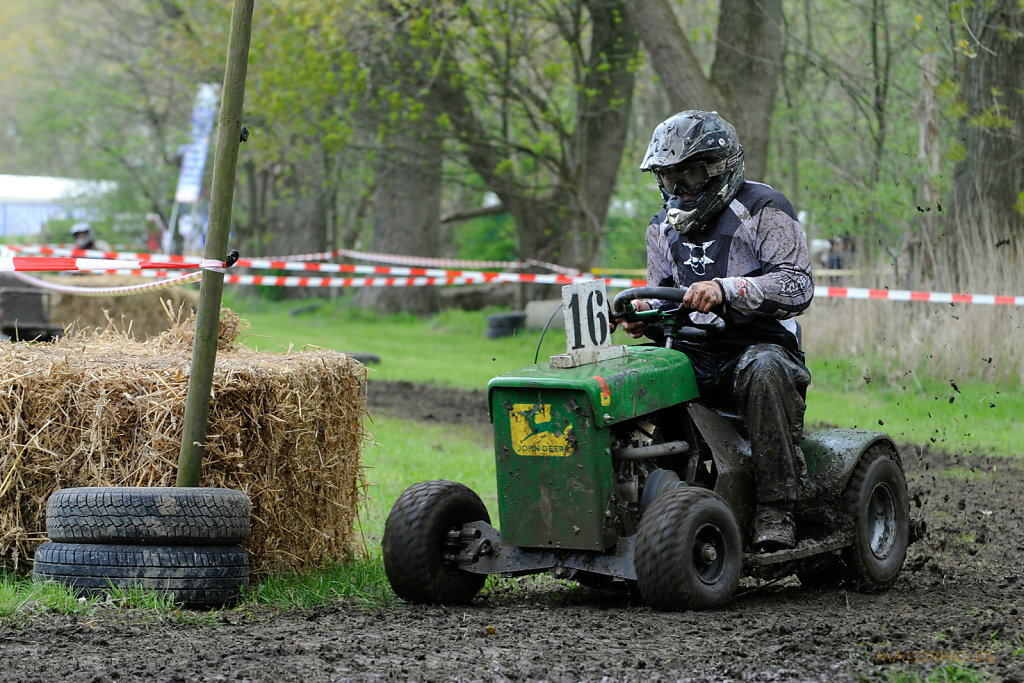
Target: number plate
<point>587,336</point>
<point>586,316</point>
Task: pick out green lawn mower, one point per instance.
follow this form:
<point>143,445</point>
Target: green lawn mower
<point>611,471</point>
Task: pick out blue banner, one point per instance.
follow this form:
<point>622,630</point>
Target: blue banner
<point>191,178</point>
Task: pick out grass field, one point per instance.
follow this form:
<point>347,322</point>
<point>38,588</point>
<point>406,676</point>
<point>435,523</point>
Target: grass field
<point>450,349</point>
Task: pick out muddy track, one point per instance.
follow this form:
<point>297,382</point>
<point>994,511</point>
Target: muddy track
<point>427,403</point>
<point>958,602</point>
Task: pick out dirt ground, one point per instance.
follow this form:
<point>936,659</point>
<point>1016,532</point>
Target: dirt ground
<point>958,604</point>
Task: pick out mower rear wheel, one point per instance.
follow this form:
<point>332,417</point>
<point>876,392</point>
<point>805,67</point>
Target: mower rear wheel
<point>877,502</point>
<point>688,552</point>
<point>418,545</point>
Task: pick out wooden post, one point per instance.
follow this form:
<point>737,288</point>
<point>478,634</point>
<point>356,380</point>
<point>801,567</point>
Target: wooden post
<point>204,348</point>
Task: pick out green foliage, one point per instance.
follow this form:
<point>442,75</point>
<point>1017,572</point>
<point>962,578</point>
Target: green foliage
<point>108,94</point>
<point>21,598</point>
<point>970,417</point>
<point>845,134</point>
<point>489,238</point>
<point>355,581</point>
<point>623,238</point>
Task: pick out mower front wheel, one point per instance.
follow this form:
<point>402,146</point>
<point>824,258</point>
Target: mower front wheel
<point>418,545</point>
<point>688,552</point>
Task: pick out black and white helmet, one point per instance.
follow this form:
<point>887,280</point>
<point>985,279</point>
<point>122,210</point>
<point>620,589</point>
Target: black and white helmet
<point>698,162</point>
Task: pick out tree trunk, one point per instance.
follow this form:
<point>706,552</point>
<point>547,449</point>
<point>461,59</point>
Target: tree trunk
<point>408,162</point>
<point>918,244</point>
<point>564,225</point>
<point>672,58</point>
<point>296,216</point>
<point>987,197</point>
<point>748,49</point>
<point>603,112</point>
<point>407,211</point>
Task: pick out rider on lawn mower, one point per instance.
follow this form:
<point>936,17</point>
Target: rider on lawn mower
<point>741,252</point>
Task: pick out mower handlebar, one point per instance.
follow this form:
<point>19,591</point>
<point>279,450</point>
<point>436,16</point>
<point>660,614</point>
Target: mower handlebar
<point>674,319</point>
<point>628,295</point>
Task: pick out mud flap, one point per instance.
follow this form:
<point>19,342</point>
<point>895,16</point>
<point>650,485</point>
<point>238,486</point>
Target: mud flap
<point>832,454</point>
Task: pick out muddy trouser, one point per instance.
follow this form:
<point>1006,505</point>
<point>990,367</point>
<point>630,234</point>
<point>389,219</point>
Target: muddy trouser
<point>766,386</point>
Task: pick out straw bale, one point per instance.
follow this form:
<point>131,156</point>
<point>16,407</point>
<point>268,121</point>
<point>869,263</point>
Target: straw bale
<point>140,314</point>
<point>100,409</point>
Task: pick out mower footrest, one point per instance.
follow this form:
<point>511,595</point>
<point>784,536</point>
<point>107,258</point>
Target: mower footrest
<point>805,548</point>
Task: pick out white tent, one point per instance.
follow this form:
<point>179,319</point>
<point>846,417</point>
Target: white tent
<point>27,202</point>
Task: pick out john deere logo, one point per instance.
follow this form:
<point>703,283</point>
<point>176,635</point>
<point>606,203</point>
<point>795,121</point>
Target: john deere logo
<point>534,434</point>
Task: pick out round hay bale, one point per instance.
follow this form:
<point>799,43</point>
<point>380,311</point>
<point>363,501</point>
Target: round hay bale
<point>141,315</point>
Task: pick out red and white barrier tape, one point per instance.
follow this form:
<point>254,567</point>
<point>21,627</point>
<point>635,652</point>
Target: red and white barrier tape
<point>126,290</point>
<point>26,264</point>
<point>405,277</point>
<point>413,277</point>
<point>274,264</point>
<point>413,261</point>
<point>910,295</point>
<point>425,261</point>
<point>396,276</point>
<point>65,251</point>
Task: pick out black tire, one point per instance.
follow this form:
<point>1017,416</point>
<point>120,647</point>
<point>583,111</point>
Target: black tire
<point>504,324</point>
<point>195,576</point>
<point>148,515</point>
<point>416,541</point>
<point>688,552</point>
<point>879,508</point>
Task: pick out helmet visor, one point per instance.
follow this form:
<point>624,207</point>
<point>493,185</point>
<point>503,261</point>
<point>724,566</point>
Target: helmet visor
<point>688,178</point>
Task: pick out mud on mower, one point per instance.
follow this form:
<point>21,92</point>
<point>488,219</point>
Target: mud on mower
<point>611,471</point>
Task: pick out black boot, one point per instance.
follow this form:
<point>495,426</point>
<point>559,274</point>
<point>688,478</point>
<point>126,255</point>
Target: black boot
<point>773,529</point>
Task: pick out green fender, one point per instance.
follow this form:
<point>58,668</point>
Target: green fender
<point>832,454</point>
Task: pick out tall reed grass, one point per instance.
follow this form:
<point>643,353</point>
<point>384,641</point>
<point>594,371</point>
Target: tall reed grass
<point>943,341</point>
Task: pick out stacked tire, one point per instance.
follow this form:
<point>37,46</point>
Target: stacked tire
<point>177,541</point>
<point>504,325</point>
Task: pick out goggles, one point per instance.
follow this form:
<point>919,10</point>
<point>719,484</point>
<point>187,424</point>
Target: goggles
<point>687,179</point>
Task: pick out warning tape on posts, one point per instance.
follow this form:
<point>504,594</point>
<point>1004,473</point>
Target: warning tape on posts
<point>416,261</point>
<point>157,265</point>
<point>910,295</point>
<point>467,277</point>
<point>22,264</point>
<point>428,262</point>
<point>398,277</point>
<point>418,277</point>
